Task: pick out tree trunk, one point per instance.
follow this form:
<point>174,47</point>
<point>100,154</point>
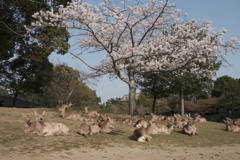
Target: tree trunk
<point>182,103</point>
<point>154,104</point>
<point>132,93</point>
<point>15,98</point>
<point>132,99</point>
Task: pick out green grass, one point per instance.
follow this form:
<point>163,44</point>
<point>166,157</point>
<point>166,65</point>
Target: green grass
<point>12,137</point>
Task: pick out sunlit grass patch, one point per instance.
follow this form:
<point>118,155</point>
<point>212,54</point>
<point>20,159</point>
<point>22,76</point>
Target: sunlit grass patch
<point>12,137</point>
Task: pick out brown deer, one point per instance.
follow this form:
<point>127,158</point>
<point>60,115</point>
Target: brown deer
<point>190,128</point>
<point>69,115</point>
<point>106,127</point>
<point>84,129</point>
<point>90,112</point>
<point>154,117</point>
<point>102,118</point>
<point>30,127</point>
<point>141,135</point>
<point>129,120</point>
<point>231,125</point>
<point>49,128</point>
<point>169,119</point>
<point>178,121</point>
<point>94,129</point>
<point>164,128</point>
<point>142,123</point>
<point>88,129</point>
<point>152,128</point>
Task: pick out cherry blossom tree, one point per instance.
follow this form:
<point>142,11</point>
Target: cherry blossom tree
<point>138,37</point>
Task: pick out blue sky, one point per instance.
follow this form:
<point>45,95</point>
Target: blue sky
<point>222,13</point>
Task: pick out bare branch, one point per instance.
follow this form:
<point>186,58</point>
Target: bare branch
<point>160,14</point>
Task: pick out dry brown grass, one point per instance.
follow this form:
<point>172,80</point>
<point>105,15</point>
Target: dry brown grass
<point>12,137</point>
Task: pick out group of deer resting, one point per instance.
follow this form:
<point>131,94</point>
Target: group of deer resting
<point>95,123</point>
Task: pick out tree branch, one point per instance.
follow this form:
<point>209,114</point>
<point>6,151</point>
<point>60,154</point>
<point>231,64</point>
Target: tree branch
<point>160,14</point>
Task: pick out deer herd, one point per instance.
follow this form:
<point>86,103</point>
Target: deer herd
<point>92,123</point>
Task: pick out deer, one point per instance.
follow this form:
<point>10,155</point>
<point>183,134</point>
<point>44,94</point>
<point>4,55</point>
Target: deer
<point>190,128</point>
<point>90,112</point>
<point>178,121</point>
<point>129,120</point>
<point>169,119</point>
<point>142,123</point>
<point>231,125</point>
<point>184,121</point>
<point>30,127</point>
<point>94,129</point>
<point>141,135</point>
<point>106,127</point>
<point>102,118</point>
<point>69,115</point>
<point>84,129</point>
<point>154,117</point>
<point>88,129</point>
<point>164,128</point>
<point>202,120</point>
<point>49,128</point>
<point>152,128</point>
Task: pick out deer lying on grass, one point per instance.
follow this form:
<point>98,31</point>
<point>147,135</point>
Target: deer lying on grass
<point>69,115</point>
<point>30,127</point>
<point>102,118</point>
<point>153,128</point>
<point>90,112</point>
<point>49,128</point>
<point>178,121</point>
<point>190,128</point>
<point>231,125</point>
<point>88,129</point>
<point>169,119</point>
<point>202,120</point>
<point>141,123</point>
<point>165,128</point>
<point>94,129</point>
<point>154,117</point>
<point>195,118</point>
<point>84,129</point>
<point>106,127</point>
<point>129,120</point>
<point>141,135</point>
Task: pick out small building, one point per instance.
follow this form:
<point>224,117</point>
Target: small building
<point>7,100</point>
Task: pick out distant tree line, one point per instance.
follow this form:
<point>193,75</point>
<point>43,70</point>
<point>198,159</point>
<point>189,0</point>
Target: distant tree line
<point>213,97</point>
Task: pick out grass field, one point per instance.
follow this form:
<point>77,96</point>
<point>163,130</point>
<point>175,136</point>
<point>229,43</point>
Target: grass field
<point>13,138</point>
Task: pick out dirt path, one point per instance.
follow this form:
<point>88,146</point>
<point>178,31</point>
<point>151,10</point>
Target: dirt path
<point>229,152</point>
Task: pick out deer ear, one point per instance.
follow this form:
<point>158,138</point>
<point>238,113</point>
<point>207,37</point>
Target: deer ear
<point>43,112</point>
<point>35,113</point>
